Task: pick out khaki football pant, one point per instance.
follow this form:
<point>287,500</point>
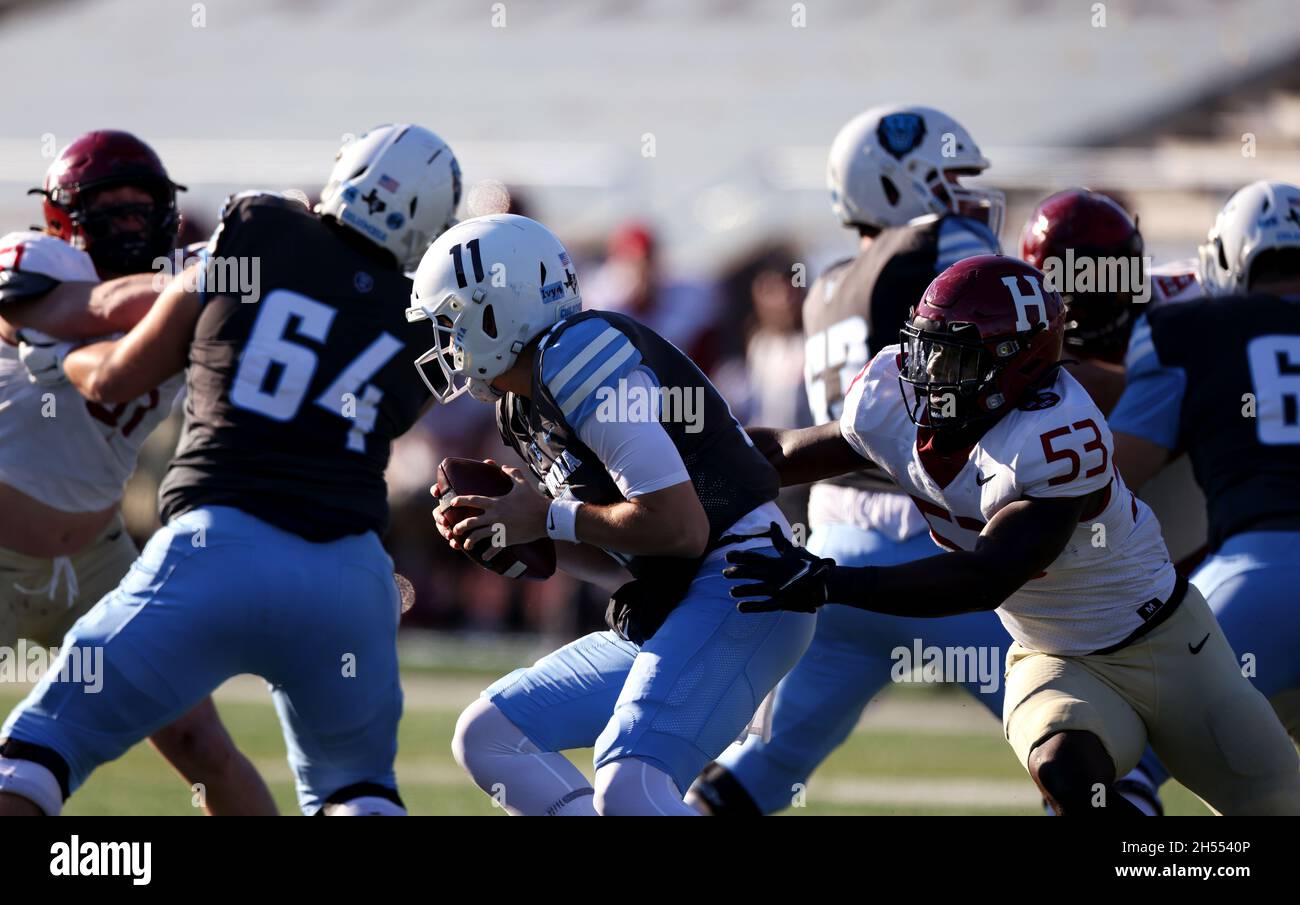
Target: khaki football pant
<point>40,599</point>
<point>1180,687</point>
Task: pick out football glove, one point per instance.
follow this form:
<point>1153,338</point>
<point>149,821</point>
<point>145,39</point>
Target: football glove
<point>794,579</point>
<point>43,357</point>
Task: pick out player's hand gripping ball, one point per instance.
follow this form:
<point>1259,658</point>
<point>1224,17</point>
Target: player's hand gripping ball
<point>491,515</point>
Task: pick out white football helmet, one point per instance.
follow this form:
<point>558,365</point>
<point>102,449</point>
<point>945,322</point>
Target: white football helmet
<point>398,185</point>
<point>895,163</point>
<point>488,285</point>
<point>1259,217</point>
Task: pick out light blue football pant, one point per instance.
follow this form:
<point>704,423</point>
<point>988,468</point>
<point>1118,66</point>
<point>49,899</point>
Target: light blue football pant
<point>1252,584</point>
<point>217,593</point>
<point>674,703</point>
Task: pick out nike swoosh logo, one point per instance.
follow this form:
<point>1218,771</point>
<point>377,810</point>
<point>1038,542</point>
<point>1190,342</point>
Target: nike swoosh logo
<point>1197,649</point>
<point>981,480</point>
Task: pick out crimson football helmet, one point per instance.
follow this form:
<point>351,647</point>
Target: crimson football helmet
<point>986,334</point>
<point>108,159</point>
<point>1079,224</point>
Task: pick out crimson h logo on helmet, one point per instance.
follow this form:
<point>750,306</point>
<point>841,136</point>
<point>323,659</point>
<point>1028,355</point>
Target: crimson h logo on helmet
<point>1025,302</point>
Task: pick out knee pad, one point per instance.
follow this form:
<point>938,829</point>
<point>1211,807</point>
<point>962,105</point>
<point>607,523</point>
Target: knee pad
<point>365,806</point>
<point>629,787</point>
<point>51,762</point>
<point>365,799</point>
<point>484,732</point>
<point>31,779</point>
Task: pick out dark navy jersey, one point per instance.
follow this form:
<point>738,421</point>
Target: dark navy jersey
<point>858,306</point>
<point>296,391</point>
<point>1219,378</point>
<point>579,365</point>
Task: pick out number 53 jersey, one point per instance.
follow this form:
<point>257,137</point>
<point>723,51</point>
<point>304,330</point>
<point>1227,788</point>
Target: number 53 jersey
<point>300,376</point>
<point>1114,574</point>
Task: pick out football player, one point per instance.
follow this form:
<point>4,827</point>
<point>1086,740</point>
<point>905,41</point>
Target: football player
<point>1077,232</point>
<point>1064,231</point>
<point>1217,377</point>
<point>269,561</point>
<point>1011,463</point>
<point>646,476</point>
<point>110,209</point>
<point>895,177</point>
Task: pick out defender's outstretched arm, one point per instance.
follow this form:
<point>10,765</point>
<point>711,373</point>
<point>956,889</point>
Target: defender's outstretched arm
<point>82,310</point>
<point>808,454</point>
<point>1017,544</point>
<point>155,349</point>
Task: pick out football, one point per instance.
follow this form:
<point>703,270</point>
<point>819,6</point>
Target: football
<point>457,476</point>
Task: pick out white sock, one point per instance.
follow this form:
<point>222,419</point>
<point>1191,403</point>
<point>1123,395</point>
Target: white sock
<point>629,787</point>
<point>520,777</point>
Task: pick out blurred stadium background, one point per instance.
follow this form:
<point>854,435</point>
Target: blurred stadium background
<point>679,149</point>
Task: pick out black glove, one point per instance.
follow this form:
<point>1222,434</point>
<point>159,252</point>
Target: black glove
<point>794,579</point>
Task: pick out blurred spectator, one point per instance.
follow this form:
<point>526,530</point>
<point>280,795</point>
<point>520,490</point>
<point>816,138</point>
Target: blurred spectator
<point>632,282</point>
<point>763,377</point>
<point>774,353</point>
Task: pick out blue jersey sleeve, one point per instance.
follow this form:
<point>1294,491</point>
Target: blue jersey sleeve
<point>961,237</point>
<point>584,364</point>
<point>1152,403</point>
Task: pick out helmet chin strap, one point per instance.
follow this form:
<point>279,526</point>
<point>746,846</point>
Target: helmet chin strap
<point>483,390</point>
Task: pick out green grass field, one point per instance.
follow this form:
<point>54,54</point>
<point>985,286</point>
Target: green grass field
<point>917,751</point>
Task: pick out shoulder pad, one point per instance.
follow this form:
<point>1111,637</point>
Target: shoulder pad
<point>580,356</point>
<point>961,237</point>
<point>33,263</point>
<point>241,201</point>
<point>250,210</point>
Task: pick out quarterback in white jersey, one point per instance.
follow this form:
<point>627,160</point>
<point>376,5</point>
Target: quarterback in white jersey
<point>1010,461</point>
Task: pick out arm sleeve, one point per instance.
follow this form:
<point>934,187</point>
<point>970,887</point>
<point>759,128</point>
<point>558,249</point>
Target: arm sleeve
<point>639,455</point>
<point>32,264</point>
<point>1152,402</point>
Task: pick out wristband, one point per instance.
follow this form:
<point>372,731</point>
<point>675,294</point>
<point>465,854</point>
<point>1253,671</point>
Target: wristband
<point>562,520</point>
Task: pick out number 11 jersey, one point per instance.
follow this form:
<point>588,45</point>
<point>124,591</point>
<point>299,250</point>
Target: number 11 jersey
<point>300,376</point>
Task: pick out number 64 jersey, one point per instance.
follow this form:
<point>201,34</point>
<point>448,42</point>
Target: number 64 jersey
<point>1114,574</point>
<point>300,376</point>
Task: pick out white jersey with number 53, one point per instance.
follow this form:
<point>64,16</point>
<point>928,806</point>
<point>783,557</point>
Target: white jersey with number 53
<point>1114,572</point>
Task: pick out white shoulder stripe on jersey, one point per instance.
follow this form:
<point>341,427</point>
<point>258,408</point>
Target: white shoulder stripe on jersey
<point>579,361</point>
<point>962,242</point>
<point>1140,344</point>
<point>578,396</point>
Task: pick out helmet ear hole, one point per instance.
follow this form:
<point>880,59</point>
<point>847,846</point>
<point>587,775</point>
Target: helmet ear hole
<point>890,190</point>
<point>490,322</point>
<point>1223,256</point>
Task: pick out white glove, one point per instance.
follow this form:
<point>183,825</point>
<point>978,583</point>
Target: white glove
<point>43,356</point>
